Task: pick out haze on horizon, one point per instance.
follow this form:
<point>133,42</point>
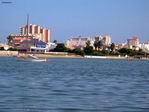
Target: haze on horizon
<point>121,19</point>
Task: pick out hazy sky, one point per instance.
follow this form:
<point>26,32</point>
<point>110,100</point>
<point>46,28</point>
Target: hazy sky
<point>121,19</point>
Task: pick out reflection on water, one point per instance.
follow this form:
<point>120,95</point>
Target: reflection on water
<point>74,85</point>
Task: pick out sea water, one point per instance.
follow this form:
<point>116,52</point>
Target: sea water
<point>74,85</point>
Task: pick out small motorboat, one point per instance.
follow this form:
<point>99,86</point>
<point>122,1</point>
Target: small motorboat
<point>33,58</point>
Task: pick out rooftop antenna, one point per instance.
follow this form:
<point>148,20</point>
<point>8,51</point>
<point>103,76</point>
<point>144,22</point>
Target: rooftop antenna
<point>27,25</point>
<point>27,30</point>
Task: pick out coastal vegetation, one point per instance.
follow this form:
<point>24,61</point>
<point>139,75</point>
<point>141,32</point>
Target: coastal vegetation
<point>99,50</point>
<point>60,47</point>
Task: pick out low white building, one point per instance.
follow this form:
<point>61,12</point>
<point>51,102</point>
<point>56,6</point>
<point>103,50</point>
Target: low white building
<point>107,40</point>
<point>145,47</point>
<point>52,46</point>
<point>79,42</point>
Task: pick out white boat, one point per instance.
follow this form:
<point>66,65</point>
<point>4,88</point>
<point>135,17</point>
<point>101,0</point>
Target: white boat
<point>37,60</point>
<point>33,58</point>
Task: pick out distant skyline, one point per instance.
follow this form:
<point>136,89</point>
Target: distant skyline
<point>121,19</point>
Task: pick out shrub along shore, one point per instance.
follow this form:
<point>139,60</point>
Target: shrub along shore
<point>99,52</point>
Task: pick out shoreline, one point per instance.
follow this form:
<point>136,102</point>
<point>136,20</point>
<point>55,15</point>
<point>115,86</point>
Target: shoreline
<point>48,56</point>
<point>115,58</point>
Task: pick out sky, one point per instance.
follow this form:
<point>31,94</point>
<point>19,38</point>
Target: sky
<point>121,19</point>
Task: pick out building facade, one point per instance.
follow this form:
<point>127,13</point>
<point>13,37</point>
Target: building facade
<point>34,45</point>
<point>29,36</point>
<point>78,42</point>
<point>122,45</point>
<point>107,40</point>
<point>145,47</point>
<point>18,39</point>
<point>133,42</point>
<point>38,32</point>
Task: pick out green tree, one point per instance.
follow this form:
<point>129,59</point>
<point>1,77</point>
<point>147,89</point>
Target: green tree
<point>88,49</point>
<point>96,44</point>
<point>105,52</point>
<point>100,44</point>
<point>88,43</point>
<point>55,41</point>
<point>112,47</point>
<point>61,48</point>
<point>141,52</point>
<point>125,51</point>
<point>78,51</point>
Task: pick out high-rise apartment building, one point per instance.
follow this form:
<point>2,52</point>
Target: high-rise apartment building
<point>38,32</point>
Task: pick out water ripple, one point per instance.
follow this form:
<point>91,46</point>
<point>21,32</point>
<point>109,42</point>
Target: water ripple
<point>74,85</point>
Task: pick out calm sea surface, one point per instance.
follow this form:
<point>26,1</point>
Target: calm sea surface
<point>74,85</point>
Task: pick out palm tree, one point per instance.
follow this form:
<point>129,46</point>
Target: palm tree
<point>112,47</point>
<point>88,49</point>
<point>97,38</point>
<point>96,44</point>
<point>55,41</point>
<point>9,38</point>
<point>100,44</point>
<point>88,43</point>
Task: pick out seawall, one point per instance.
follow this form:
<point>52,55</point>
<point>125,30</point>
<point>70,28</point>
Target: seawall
<point>8,53</point>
